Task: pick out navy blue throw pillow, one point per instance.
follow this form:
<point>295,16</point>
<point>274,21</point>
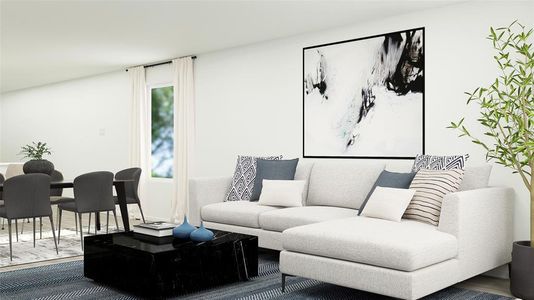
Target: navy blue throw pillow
<point>391,180</point>
<point>272,170</point>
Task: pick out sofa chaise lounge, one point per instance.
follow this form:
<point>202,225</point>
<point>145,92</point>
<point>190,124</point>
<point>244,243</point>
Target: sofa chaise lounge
<point>326,240</point>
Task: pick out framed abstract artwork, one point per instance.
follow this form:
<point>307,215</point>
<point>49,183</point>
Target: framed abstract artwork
<point>364,98</point>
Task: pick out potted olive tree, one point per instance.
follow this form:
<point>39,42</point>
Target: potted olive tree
<point>37,164</point>
<point>507,116</point>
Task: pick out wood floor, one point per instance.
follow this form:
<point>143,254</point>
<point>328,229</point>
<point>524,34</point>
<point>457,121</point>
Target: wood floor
<point>480,283</point>
<point>487,284</point>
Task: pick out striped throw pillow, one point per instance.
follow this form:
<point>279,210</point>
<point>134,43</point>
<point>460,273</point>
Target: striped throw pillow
<point>431,186</point>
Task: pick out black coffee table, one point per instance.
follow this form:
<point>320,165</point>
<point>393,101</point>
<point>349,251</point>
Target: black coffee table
<point>167,266</point>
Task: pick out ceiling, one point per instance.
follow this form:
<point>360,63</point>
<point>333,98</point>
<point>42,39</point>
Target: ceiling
<point>50,41</point>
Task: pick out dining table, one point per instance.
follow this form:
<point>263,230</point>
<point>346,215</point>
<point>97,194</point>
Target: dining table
<point>120,188</point>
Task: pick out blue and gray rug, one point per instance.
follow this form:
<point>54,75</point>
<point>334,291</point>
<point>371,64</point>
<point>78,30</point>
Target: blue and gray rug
<point>66,281</point>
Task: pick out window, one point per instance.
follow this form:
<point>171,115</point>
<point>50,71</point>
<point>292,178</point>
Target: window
<point>162,142</point>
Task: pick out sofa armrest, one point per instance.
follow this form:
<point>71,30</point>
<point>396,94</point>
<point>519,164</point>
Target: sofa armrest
<point>482,222</point>
<point>204,191</point>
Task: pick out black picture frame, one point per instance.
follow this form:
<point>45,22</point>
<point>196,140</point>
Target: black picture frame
<point>304,98</point>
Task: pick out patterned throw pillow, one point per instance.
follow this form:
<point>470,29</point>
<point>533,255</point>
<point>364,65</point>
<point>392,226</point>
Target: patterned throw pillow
<point>435,162</point>
<point>431,186</point>
<point>244,175</point>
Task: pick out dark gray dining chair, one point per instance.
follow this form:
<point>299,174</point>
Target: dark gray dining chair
<point>2,179</point>
<point>27,196</point>
<point>56,195</point>
<point>131,188</point>
<point>93,193</point>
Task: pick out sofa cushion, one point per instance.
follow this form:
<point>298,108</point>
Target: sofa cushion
<point>430,187</point>
<point>272,170</point>
<point>476,177</point>
<point>282,219</point>
<point>389,179</point>
<point>303,172</point>
<point>284,193</point>
<point>388,203</point>
<point>341,183</point>
<point>404,246</point>
<point>240,213</point>
<point>436,162</point>
<point>243,180</point>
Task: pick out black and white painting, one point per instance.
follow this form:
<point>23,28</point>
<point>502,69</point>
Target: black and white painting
<point>365,97</point>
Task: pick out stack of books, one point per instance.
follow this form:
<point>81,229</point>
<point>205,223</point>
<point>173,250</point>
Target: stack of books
<point>157,229</point>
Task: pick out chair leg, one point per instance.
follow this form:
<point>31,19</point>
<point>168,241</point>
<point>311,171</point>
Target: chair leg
<point>76,221</point>
<point>33,232</point>
<point>81,231</point>
<point>89,224</point>
<point>116,223</point>
<point>40,227</point>
<point>141,210</point>
<point>107,222</point>
<point>96,219</point>
<point>22,230</point>
<point>54,233</point>
<point>59,214</point>
<point>2,223</point>
<point>10,241</point>
<point>17,228</point>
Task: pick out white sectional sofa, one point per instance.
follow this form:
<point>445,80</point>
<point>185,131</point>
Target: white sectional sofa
<point>327,241</point>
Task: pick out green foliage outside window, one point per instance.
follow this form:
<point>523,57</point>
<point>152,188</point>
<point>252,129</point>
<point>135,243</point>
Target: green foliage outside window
<point>162,131</point>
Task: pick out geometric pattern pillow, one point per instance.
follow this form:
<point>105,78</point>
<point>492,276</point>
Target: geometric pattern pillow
<point>244,175</point>
<point>430,187</point>
<point>435,162</point>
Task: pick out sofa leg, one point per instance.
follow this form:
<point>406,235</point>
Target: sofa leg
<point>284,281</point>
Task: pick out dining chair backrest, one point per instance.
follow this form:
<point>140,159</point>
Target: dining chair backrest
<point>56,176</point>
<point>94,192</point>
<point>2,179</point>
<point>27,196</point>
<point>14,170</point>
<point>130,187</point>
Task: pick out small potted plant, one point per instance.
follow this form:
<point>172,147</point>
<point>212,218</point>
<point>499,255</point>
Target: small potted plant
<point>507,116</point>
<point>37,164</point>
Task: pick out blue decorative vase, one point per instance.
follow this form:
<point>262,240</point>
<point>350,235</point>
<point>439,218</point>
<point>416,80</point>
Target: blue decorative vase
<point>201,234</point>
<point>183,231</point>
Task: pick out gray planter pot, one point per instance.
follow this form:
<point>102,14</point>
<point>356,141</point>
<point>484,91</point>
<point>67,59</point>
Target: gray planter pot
<point>522,270</point>
<point>38,166</point>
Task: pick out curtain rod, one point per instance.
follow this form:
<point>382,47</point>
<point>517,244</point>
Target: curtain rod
<point>162,63</point>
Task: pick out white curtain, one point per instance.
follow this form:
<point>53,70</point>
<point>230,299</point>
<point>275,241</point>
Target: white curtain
<point>139,126</point>
<point>184,134</point>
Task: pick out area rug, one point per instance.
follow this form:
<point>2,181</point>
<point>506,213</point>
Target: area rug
<point>24,252</point>
<point>66,281</point>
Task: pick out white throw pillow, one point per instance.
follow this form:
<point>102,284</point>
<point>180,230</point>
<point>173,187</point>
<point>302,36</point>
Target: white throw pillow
<point>286,193</point>
<point>388,203</point>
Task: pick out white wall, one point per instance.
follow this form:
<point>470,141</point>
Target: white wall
<point>1,127</point>
<point>249,100</point>
<point>84,121</point>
